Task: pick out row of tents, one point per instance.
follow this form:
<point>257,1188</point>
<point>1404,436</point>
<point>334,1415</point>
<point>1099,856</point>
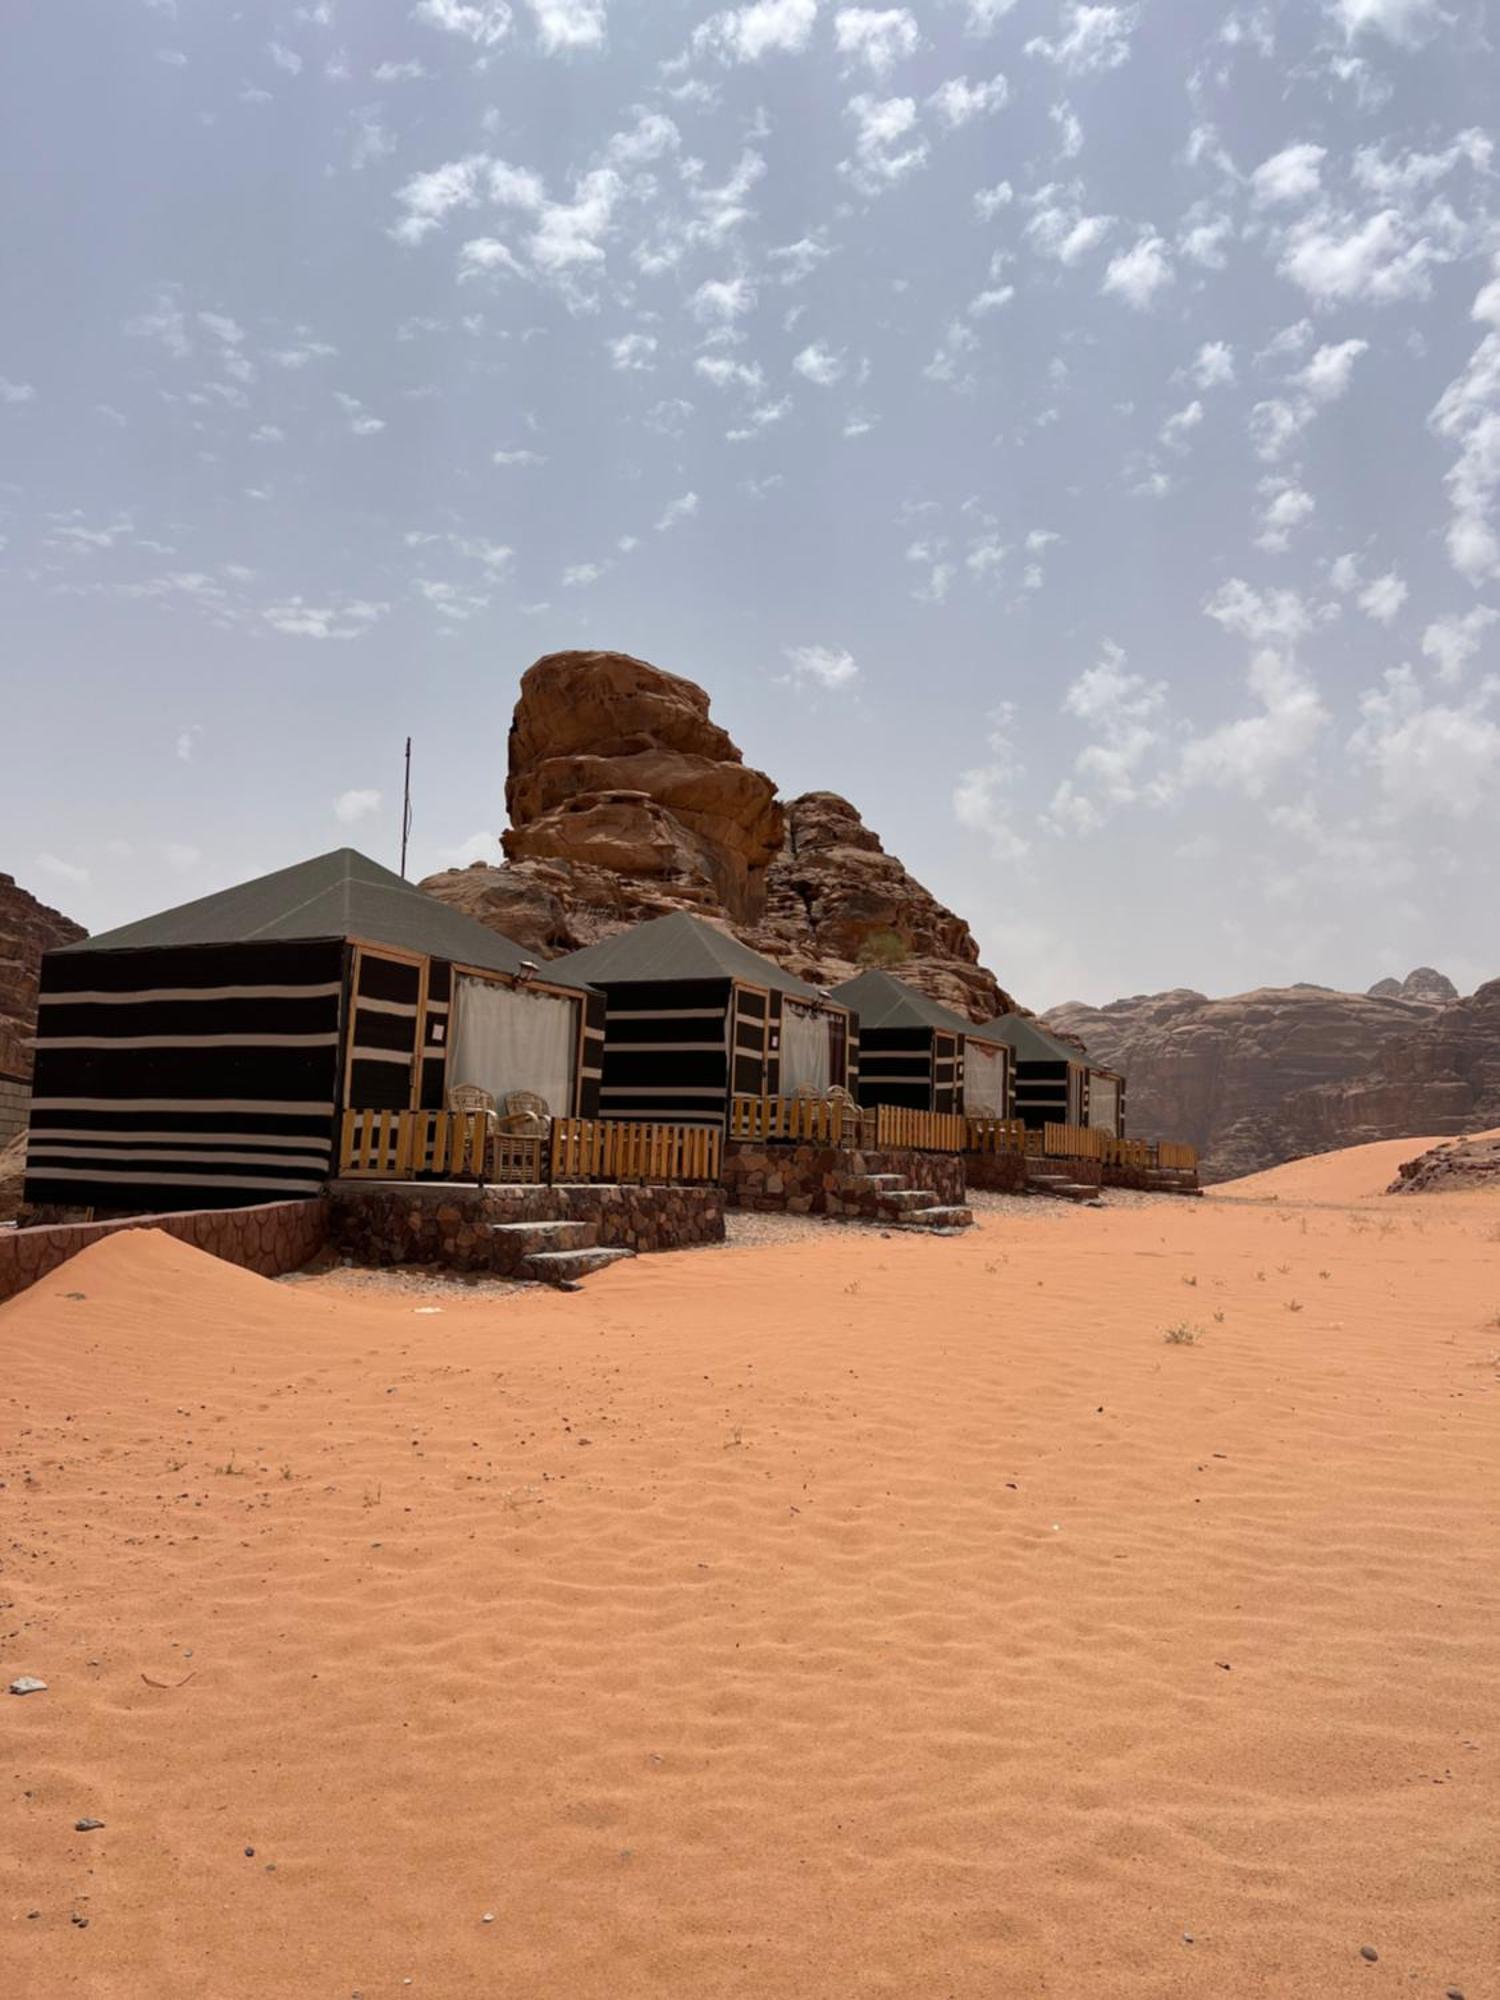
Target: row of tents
<point>205,1056</point>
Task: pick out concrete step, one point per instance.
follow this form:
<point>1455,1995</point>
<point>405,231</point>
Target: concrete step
<point>568,1268</point>
<point>529,1237</point>
<point>937,1218</point>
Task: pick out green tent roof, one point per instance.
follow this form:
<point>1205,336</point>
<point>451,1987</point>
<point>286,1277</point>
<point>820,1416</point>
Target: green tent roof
<point>337,895</point>
<point>677,947</point>
<point>1031,1042</point>
<point>883,1001</point>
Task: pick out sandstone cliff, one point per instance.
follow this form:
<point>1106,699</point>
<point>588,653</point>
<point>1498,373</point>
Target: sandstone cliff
<point>1458,1166</point>
<point>627,801</point>
<point>27,929</point>
<point>1268,1076</point>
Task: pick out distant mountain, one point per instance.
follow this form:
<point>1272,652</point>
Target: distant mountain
<point>27,929</point>
<point>1267,1076</point>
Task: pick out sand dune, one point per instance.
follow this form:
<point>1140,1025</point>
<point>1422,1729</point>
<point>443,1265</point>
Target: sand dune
<point>871,1617</point>
<point>1357,1173</point>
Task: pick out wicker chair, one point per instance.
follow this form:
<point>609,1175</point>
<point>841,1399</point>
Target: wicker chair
<point>527,1114</point>
<point>521,1135</point>
<point>848,1107</point>
<point>469,1097</point>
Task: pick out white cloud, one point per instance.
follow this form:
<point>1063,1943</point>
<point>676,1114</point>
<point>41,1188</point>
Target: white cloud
<point>351,807</point>
<point>986,15</point>
<point>819,364</point>
<point>830,666</point>
<point>1213,365</point>
<point>958,100</point>
<point>569,24</point>
<point>578,576</point>
<point>518,455</point>
<point>428,198</point>
<point>769,27</point>
<point>1177,429</point>
<point>1383,598</point>
<point>984,796</point>
<point>1060,229</point>
<point>65,871</point>
<point>399,72</point>
<point>682,509</point>
<point>16,392</point>
<point>877,37</point>
<point>361,421</point>
<point>187,742</point>
<point>1326,376</point>
<point>1095,38</point>
<point>1139,273</point>
<point>1265,618</point>
<point>1294,174</point>
<point>1453,641</point>
<point>726,374</point>
<point>347,619</point>
<point>284,58</point>
<point>1429,756</point>
<point>1400,21</point>
<point>1276,425</point>
<point>1124,712</point>
<point>887,146</point>
<point>633,351</point>
<point>988,202</point>
<point>1250,754</point>
<point>1337,256</point>
<point>722,299</point>
<point>1284,507</point>
<point>1468,415</point>
<point>484,22</point>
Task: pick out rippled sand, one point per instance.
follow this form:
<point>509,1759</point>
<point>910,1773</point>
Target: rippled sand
<point>860,1616</point>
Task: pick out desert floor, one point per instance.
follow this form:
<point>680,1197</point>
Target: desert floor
<point>866,1615</point>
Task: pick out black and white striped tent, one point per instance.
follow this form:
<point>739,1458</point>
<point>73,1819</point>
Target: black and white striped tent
<point>1056,1084</point>
<point>203,1057</point>
<point>915,1052</point>
<point>694,1018</point>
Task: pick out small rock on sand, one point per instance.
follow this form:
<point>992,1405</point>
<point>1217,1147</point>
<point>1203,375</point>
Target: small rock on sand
<point>88,1826</point>
<point>1369,1953</point>
<point>28,1684</point>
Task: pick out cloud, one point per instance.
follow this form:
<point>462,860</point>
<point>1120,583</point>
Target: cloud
<point>1250,754</point>
<point>578,576</point>
<point>518,455</point>
<point>1059,228</point>
<point>362,422</point>
<point>725,373</point>
<point>722,299</point>
<point>349,808</point>
<point>1288,176</point>
<point>819,364</point>
<point>769,27</point>
<point>428,198</point>
<point>1326,376</point>
<point>1180,425</point>
<point>988,202</point>
<point>984,795</point>
<point>1284,507</point>
<point>682,509</point>
<point>349,618</point>
<point>65,871</point>
<point>1468,415</point>
<point>1399,21</point>
<point>1095,39</point>
<point>633,352</point>
<point>1213,365</point>
<point>957,101</point>
<point>1138,274</point>
<point>187,742</point>
<point>16,392</point>
<point>1123,711</point>
<point>1429,756</point>
<point>1453,641</point>
<point>877,37</point>
<point>483,22</point>
<point>1383,598</point>
<point>284,58</point>
<point>886,145</point>
<point>569,24</point>
<point>1266,618</point>
<point>830,666</point>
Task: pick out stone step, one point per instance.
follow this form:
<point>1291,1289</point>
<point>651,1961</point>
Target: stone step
<point>523,1238</point>
<point>568,1268</point>
<point>937,1218</point>
<point>884,1180</point>
<point>898,1201</point>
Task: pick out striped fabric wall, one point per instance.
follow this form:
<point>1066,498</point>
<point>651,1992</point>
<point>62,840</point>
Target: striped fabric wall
<point>666,1051</point>
<point>197,1078</point>
<point>591,1075</point>
<point>895,1067</point>
<point>947,1072</point>
<point>436,1030</point>
<point>1043,1095</point>
<point>386,1000</point>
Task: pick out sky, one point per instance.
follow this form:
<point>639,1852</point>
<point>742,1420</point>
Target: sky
<point>1070,431</point>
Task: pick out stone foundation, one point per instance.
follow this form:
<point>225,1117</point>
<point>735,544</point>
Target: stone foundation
<point>451,1223</point>
<point>996,1173</point>
<point>806,1179</point>
<point>270,1238</point>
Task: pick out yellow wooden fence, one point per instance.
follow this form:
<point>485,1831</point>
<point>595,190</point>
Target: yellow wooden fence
<point>995,1135</point>
<point>791,1118</point>
<point>396,1145</point>
<point>1073,1142</point>
<point>609,1149</point>
<point>1170,1154</point>
<point>922,1131</point>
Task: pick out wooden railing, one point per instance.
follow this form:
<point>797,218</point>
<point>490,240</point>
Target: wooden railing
<point>1138,1153</point>
<point>995,1135</point>
<point>610,1149</point>
<point>792,1118</point>
<point>397,1145</point>
<point>1073,1142</point>
<point>1170,1154</point>
<point>922,1131</point>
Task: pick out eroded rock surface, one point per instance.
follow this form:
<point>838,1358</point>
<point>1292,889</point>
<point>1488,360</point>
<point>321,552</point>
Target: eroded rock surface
<point>627,801</point>
<point>27,929</point>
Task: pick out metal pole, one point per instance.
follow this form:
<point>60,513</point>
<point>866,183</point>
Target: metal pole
<point>406,809</point>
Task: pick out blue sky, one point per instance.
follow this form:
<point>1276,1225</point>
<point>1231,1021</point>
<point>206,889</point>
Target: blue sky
<point>1071,431</point>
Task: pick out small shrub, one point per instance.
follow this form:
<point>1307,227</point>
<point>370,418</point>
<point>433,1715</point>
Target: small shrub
<point>884,948</point>
<point>1182,1335</point>
<point>1294,1305</point>
<point>1190,1281</point>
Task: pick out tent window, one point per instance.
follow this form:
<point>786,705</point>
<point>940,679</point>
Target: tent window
<point>984,1082</point>
<point>505,1039</point>
<point>806,1056</point>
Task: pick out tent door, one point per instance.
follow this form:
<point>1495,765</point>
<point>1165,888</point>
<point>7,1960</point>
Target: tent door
<point>385,1005</point>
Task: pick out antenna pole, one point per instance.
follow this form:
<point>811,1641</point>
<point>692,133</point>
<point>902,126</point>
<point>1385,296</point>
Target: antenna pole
<point>406,809</point>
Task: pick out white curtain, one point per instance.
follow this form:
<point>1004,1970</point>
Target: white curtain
<point>506,1039</point>
<point>804,1048</point>
<point>984,1081</point>
<point>1104,1103</point>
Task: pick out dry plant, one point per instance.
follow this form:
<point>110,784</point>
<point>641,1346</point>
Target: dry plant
<point>1182,1335</point>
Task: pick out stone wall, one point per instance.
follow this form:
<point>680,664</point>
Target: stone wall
<point>996,1173</point>
<point>806,1179</point>
<point>451,1223</point>
<point>270,1238</point>
<point>15,1096</point>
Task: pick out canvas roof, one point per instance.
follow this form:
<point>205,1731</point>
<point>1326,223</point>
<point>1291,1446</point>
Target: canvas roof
<point>339,895</point>
<point>678,947</point>
<point>883,1001</point>
<point>1030,1041</point>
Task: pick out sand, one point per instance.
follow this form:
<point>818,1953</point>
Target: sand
<point>857,1616</point>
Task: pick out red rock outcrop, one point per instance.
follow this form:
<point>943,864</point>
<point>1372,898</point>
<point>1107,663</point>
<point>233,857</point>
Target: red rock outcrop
<point>627,801</point>
<point>27,929</point>
<point>1435,988</point>
<point>1269,1076</point>
<point>1458,1166</point>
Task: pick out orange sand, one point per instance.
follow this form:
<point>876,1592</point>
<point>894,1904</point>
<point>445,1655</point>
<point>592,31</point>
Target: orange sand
<point>865,1617</point>
<point>1352,1175</point>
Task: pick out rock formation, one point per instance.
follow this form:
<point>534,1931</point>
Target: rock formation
<point>1435,989</point>
<point>1458,1166</point>
<point>27,929</point>
<point>626,802</point>
<point>1271,1075</point>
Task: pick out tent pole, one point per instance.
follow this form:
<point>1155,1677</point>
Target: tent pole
<point>406,809</point>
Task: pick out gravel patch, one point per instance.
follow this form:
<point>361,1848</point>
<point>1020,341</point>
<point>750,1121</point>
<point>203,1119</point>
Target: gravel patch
<point>417,1280</point>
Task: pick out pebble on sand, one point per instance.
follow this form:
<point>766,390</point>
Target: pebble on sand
<point>1369,1953</point>
<point>28,1684</point>
<point>88,1825</point>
